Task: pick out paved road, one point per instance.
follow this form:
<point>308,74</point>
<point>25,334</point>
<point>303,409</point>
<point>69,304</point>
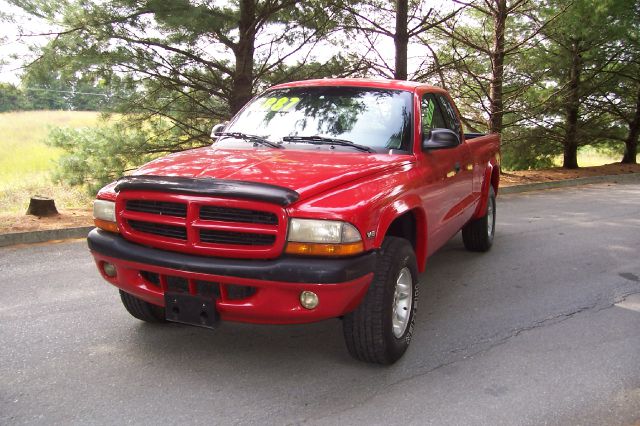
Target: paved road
<point>544,329</point>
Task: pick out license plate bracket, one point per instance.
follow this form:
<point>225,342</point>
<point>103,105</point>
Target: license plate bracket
<point>190,309</point>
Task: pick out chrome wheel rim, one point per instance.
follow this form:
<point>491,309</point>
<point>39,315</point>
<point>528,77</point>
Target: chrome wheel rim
<point>490,215</point>
<point>402,300</point>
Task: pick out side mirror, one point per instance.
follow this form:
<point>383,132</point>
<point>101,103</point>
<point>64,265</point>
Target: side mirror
<point>441,139</point>
<point>218,128</point>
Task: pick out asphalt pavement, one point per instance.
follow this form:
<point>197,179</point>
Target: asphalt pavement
<point>543,329</point>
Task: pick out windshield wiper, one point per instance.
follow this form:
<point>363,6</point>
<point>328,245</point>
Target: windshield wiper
<point>250,138</point>
<point>322,140</point>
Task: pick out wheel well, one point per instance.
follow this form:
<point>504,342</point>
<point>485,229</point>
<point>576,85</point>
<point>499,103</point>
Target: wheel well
<point>404,226</point>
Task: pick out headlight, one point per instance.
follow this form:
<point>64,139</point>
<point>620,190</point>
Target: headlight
<point>104,215</point>
<point>323,238</point>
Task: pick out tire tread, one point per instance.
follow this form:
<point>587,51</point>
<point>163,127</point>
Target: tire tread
<point>474,233</point>
<point>364,327</point>
<point>142,310</point>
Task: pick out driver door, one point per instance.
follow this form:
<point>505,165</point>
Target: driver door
<point>447,178</point>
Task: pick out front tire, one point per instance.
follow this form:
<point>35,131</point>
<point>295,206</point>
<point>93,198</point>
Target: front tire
<point>478,234</point>
<point>142,310</point>
<point>380,329</point>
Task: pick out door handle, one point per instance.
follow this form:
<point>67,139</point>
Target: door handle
<point>456,167</point>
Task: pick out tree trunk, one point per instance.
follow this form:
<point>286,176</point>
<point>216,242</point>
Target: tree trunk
<point>242,84</point>
<point>631,144</point>
<point>42,207</point>
<point>497,67</point>
<point>572,110</point>
<point>401,39</point>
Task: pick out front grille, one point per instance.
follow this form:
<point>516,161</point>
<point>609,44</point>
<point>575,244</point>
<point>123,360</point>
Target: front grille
<point>178,232</point>
<point>242,238</point>
<point>202,225</point>
<point>229,214</point>
<point>157,207</point>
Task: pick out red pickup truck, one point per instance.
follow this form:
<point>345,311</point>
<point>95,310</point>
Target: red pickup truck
<point>319,199</point>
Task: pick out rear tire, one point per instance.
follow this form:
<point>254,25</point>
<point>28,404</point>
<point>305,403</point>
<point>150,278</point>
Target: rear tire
<point>142,310</point>
<point>478,234</point>
<point>380,329</point>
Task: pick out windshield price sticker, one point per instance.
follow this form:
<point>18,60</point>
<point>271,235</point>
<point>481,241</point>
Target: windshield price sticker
<point>280,104</point>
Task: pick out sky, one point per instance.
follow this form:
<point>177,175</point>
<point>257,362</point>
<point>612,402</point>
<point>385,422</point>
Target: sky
<point>11,46</point>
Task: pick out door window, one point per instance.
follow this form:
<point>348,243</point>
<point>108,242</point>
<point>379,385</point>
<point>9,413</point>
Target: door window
<point>449,113</point>
<point>432,117</point>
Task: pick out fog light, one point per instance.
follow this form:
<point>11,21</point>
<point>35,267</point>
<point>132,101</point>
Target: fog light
<point>309,299</point>
<point>109,269</point>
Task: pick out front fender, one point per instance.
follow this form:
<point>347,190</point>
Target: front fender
<point>372,205</point>
<point>410,204</point>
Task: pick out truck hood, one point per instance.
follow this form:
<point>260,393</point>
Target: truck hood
<point>306,172</point>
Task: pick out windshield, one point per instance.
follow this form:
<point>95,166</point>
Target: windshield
<point>375,118</point>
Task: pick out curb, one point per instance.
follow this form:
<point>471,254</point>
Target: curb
<point>515,189</point>
<point>81,232</point>
<point>43,236</point>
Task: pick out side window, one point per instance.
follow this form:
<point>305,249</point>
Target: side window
<point>449,114</point>
<point>431,114</point>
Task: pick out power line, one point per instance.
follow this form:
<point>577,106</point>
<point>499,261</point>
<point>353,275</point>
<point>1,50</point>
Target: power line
<point>65,91</point>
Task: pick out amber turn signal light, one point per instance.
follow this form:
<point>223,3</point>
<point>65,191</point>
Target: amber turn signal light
<point>106,225</point>
<point>314,249</point>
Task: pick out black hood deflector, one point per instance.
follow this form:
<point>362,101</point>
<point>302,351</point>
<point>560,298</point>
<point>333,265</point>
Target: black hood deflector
<point>209,186</point>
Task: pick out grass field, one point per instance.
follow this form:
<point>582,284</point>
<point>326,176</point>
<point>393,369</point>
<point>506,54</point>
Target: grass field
<point>26,162</point>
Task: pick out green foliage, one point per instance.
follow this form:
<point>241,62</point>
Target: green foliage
<point>43,89</point>
<point>372,26</point>
<point>96,156</point>
<point>543,40</point>
<point>581,56</point>
<point>478,67</point>
<point>528,148</point>
<point>11,98</point>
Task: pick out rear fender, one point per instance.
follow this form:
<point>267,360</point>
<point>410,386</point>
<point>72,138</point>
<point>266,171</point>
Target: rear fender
<point>491,178</point>
<point>397,209</point>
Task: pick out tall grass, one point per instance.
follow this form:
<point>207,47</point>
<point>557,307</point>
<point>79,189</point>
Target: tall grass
<point>26,161</point>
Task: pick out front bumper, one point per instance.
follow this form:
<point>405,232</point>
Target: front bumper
<point>276,284</point>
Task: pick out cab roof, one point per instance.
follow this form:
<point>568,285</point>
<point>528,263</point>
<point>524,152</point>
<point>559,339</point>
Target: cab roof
<point>357,82</point>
